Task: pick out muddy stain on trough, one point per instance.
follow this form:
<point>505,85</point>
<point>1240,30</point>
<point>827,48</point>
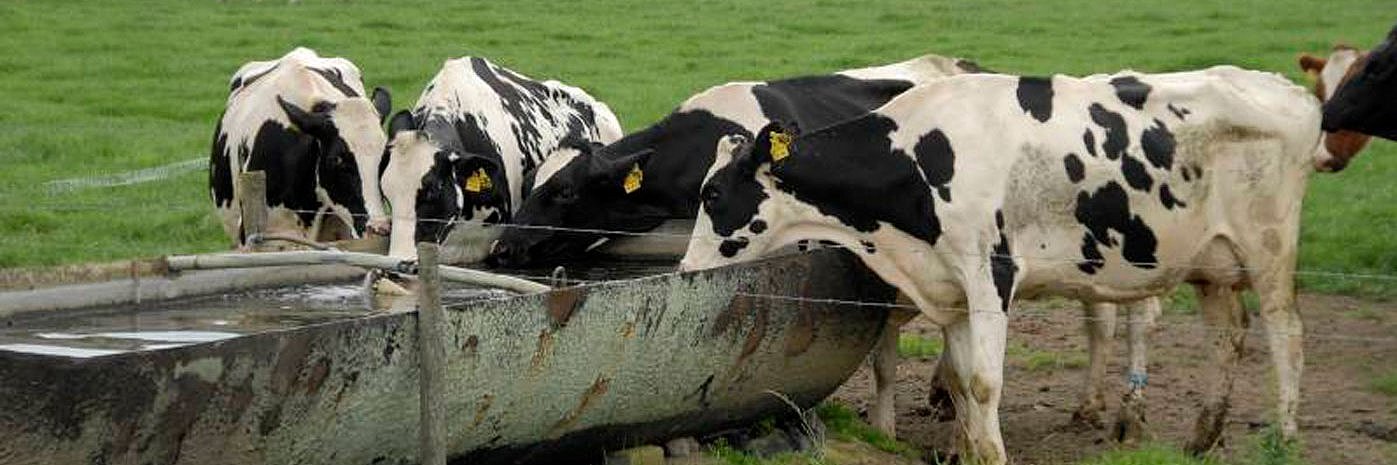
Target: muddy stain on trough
<point>545,349</point>
<point>590,397</point>
<point>484,406</point>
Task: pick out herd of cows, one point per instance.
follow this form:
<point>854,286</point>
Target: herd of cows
<point>964,188</point>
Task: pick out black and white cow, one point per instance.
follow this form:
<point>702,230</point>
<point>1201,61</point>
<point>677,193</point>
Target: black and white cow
<point>1366,102</point>
<point>462,154</point>
<point>306,122</point>
<point>973,190</point>
<point>586,190</point>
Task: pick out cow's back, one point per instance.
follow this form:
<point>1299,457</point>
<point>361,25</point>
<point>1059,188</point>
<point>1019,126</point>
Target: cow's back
<point>511,117</point>
<point>1109,190</point>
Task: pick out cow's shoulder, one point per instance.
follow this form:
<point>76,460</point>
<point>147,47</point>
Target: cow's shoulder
<point>732,101</point>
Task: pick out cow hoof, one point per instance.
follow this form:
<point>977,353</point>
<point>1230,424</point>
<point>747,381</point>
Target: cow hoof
<point>1207,430</point>
<point>1086,419</point>
<point>939,404</point>
<point>1131,426</point>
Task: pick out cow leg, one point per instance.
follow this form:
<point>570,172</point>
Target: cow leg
<point>1284,333</point>
<point>939,396</point>
<point>1226,324</point>
<point>1130,423</point>
<point>883,412</point>
<point>975,346</point>
<point>1100,326</point>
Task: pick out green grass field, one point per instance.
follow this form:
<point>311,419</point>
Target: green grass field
<point>100,87</point>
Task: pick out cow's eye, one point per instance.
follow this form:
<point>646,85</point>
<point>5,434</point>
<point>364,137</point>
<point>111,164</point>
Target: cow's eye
<point>710,195</point>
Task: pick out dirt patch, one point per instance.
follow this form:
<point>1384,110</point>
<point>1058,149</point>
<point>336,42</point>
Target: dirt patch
<point>1350,342</point>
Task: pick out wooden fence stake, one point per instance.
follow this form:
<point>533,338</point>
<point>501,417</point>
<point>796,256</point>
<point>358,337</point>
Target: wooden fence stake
<point>252,203</point>
<point>431,351</point>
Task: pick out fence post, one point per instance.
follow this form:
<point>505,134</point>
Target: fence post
<point>432,358</point>
<point>252,203</point>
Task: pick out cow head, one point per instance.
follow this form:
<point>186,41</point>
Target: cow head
<point>742,215</point>
<point>1328,75</point>
<point>1367,101</point>
<point>350,140</point>
<point>574,191</point>
<point>430,187</point>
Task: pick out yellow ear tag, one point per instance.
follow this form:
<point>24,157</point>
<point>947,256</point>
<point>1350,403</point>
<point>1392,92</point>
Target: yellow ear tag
<point>479,181</point>
<point>780,146</point>
<point>633,179</point>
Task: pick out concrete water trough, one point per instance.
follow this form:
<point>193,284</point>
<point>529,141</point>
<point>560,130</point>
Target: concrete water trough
<point>550,377</point>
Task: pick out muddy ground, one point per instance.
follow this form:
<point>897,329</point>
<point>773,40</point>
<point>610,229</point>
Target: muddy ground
<point>1349,343</point>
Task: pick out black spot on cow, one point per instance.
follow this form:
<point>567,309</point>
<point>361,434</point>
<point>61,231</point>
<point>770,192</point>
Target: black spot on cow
<point>1036,97</point>
<point>521,97</point>
<point>731,247</point>
<point>1114,124</point>
<point>244,81</point>
<point>1091,253</point>
<point>1187,173</point>
<point>819,101</point>
<point>1089,139</point>
<point>838,170</point>
<point>220,168</point>
<point>1076,171</point>
<point>1135,173</point>
<point>971,66</point>
<point>1179,112</point>
<point>1131,91</point>
<point>336,79</point>
<point>869,247</point>
<point>1167,198</point>
<point>757,227</point>
<point>1158,144</point>
<point>1002,266</point>
<point>1108,209</point>
<point>937,159</point>
<point>289,159</point>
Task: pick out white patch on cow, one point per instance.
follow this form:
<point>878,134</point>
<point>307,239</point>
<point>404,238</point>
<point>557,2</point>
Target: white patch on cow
<point>1335,69</point>
<point>732,101</point>
<point>554,163</point>
<point>413,156</point>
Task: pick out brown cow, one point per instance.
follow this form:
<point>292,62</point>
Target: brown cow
<point>1328,74</point>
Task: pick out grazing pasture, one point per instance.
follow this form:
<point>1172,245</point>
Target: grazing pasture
<point>94,88</point>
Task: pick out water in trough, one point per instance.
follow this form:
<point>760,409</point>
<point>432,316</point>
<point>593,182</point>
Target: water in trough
<point>166,324</point>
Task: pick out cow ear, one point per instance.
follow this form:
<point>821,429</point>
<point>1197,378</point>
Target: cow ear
<point>401,121</point>
<point>477,174</point>
<point>1312,65</point>
<point>315,122</point>
<point>772,144</point>
<point>383,103</point>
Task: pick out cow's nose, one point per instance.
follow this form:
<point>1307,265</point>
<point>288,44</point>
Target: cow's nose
<point>685,267</point>
<point>499,255</point>
<point>380,226</point>
<point>1331,165</point>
